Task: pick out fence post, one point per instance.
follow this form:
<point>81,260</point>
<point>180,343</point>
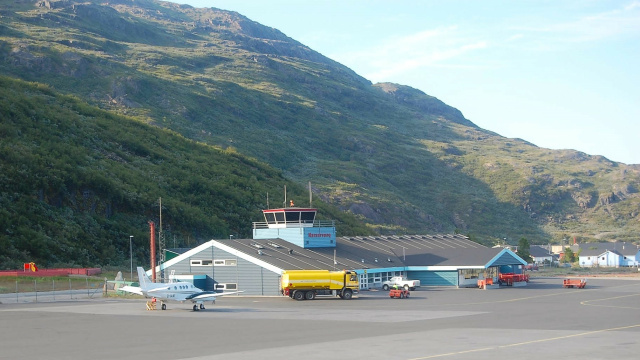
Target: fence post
<point>54,290</point>
<point>70,293</point>
<point>35,287</point>
<point>17,301</point>
<point>87,282</point>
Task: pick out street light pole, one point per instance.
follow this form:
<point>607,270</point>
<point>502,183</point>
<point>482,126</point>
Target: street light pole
<point>131,255</point>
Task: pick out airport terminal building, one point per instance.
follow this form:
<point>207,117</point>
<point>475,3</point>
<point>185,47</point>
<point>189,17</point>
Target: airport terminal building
<point>292,239</point>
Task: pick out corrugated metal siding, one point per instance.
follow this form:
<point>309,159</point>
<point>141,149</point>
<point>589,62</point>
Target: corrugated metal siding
<point>505,259</point>
<point>434,278</point>
<point>251,278</point>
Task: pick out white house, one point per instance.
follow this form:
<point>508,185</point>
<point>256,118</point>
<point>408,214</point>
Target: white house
<point>608,254</point>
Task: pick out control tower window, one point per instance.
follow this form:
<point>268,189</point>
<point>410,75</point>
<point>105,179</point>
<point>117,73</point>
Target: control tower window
<point>270,217</point>
<point>293,216</point>
<point>279,217</point>
<point>307,216</point>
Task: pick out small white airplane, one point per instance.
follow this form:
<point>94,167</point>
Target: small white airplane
<point>173,291</point>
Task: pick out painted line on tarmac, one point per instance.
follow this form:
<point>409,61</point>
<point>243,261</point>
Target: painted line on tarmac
<point>525,343</point>
<point>587,302</point>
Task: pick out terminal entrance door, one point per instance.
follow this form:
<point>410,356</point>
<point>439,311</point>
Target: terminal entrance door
<point>364,281</point>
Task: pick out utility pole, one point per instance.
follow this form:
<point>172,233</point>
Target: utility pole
<point>131,256</point>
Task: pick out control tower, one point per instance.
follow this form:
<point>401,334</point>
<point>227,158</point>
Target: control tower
<point>297,226</point>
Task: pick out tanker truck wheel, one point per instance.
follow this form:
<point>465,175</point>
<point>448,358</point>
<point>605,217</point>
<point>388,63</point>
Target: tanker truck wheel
<point>310,295</point>
<point>347,294</point>
<point>298,295</point>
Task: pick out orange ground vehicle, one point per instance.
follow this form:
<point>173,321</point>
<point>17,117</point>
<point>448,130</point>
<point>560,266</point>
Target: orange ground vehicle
<point>578,283</point>
<point>399,293</point>
<point>509,278</point>
<point>482,284</point>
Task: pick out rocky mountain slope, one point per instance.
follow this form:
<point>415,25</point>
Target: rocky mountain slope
<point>398,159</point>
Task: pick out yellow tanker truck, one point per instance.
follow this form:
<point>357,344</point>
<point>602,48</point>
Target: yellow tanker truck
<point>306,284</point>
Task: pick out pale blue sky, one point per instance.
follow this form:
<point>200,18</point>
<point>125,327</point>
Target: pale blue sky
<point>559,74</point>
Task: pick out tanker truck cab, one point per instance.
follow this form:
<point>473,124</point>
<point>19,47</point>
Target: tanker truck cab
<point>307,284</point>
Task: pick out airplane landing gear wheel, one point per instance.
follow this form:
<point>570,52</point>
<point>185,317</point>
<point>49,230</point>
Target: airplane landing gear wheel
<point>195,307</point>
<point>164,307</point>
<point>201,306</point>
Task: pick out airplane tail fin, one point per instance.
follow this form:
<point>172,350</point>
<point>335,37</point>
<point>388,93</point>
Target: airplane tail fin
<point>143,278</point>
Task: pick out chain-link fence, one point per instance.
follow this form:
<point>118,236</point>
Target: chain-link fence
<point>33,290</point>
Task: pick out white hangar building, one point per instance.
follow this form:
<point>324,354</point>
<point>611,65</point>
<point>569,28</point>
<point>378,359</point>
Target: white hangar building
<point>292,239</point>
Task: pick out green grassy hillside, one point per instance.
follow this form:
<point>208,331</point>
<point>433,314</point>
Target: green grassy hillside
<point>76,181</point>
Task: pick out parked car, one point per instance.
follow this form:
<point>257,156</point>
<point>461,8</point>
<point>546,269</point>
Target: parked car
<point>401,282</point>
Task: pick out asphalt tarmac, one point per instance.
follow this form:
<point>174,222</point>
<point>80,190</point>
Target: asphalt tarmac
<point>540,321</point>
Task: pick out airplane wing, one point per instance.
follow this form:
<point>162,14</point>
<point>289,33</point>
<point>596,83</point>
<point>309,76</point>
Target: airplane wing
<point>132,289</point>
<point>209,295</point>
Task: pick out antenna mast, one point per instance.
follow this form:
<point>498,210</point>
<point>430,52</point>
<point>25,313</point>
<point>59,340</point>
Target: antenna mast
<point>161,241</point>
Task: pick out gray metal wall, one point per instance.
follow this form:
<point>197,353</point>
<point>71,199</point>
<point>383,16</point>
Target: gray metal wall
<point>251,278</point>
